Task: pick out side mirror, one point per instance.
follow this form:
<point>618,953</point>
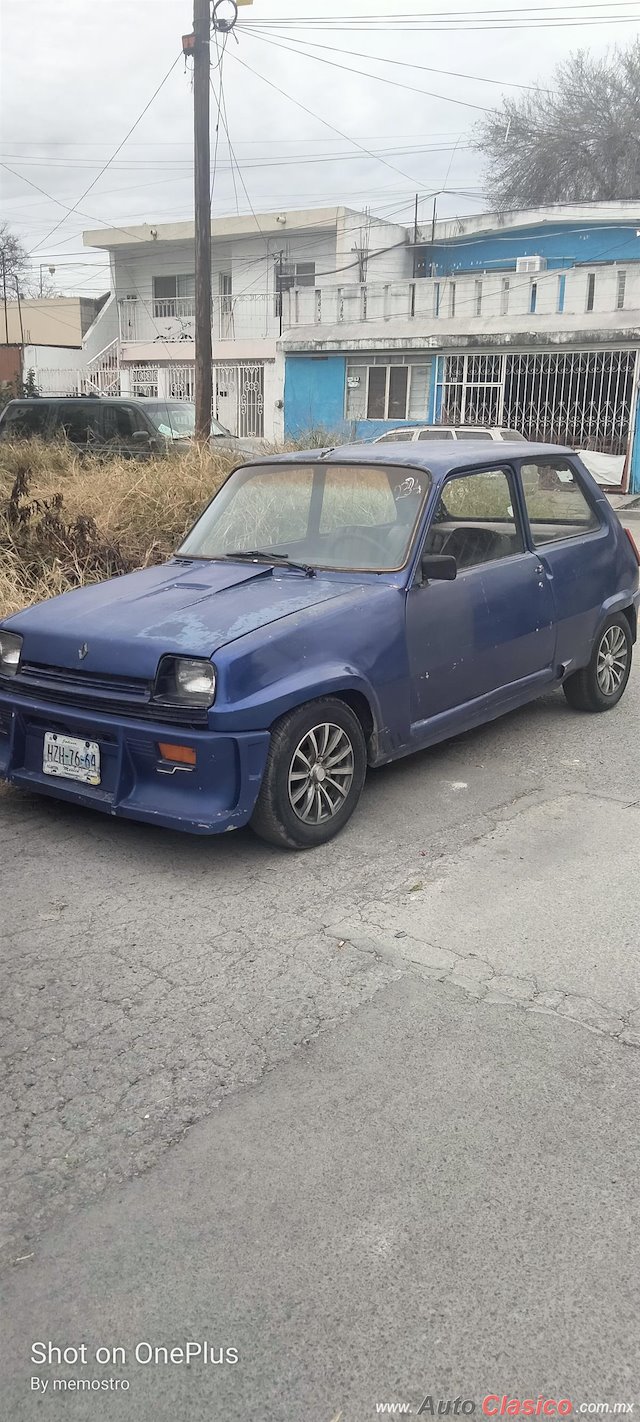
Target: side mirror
<point>440,567</point>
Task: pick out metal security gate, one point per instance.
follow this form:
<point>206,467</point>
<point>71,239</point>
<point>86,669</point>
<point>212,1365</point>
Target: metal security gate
<point>579,398</point>
<point>239,398</point>
<point>472,390</point>
<point>144,381</point>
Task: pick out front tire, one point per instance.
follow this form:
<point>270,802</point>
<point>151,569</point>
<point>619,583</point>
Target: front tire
<point>599,686</point>
<point>314,775</point>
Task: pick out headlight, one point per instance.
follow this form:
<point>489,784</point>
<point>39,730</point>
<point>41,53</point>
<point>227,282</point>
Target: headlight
<point>10,649</point>
<point>186,681</point>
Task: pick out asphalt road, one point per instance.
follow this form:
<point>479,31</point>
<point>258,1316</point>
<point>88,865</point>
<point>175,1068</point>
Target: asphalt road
<point>367,1115</point>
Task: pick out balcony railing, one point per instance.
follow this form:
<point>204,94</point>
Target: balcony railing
<point>473,301</point>
<point>235,318</point>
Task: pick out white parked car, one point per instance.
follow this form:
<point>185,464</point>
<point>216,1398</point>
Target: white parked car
<point>430,432</point>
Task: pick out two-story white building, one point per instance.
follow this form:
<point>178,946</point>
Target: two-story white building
<point>261,265</point>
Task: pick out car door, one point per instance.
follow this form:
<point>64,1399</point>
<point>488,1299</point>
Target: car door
<point>490,633</point>
<point>574,544</point>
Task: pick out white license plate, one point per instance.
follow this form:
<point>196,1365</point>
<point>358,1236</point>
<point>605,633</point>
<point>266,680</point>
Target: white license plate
<point>71,758</point>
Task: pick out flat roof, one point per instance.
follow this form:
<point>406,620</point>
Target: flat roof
<point>247,225</point>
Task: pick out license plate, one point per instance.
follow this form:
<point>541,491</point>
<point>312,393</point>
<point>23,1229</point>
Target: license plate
<point>71,758</point>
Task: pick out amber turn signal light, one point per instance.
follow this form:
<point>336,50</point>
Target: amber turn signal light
<point>179,755</point>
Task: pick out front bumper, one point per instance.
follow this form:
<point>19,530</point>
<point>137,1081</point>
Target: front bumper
<point>218,794</point>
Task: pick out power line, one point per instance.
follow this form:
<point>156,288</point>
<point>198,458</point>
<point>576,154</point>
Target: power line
<point>403,63</point>
<point>381,78</point>
<point>113,155</point>
<point>445,18</point>
<point>285,94</point>
<point>58,201</point>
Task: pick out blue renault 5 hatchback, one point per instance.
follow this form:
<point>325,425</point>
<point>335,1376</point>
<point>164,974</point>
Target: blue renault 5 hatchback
<point>329,611</point>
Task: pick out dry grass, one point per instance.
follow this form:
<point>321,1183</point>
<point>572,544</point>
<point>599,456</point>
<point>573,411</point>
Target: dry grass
<point>67,520</point>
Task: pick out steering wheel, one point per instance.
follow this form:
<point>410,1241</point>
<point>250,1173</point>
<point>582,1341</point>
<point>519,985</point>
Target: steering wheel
<point>359,536</point>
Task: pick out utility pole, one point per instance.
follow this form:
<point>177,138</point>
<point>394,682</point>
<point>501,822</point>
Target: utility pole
<point>202,197</point>
<point>279,289</point>
<point>4,291</point>
<point>415,234</point>
<point>433,234</point>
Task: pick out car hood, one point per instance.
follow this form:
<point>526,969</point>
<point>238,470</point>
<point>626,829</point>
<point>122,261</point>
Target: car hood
<point>191,609</point>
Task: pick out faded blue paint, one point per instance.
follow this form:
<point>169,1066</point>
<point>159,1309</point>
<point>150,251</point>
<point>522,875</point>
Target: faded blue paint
<point>314,389</point>
<point>437,391</point>
<point>563,244</point>
<point>634,473</point>
<point>314,400</point>
<point>562,282</point>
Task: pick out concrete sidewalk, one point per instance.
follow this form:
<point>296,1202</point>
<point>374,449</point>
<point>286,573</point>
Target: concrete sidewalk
<point>439,1197</point>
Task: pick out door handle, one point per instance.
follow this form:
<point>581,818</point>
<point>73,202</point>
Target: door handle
<point>540,568</point>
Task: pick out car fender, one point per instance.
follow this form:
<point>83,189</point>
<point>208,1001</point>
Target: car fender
<point>262,710</point>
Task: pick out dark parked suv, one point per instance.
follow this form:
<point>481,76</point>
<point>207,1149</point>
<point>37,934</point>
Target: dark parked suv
<point>117,424</point>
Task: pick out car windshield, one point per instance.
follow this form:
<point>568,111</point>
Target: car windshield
<point>358,517</point>
<point>176,419</point>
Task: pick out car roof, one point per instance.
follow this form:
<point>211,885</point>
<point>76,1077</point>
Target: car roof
<point>417,426</point>
<point>439,458</point>
<point>35,400</point>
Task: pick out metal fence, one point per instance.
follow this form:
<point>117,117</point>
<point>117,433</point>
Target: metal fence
<point>580,398</point>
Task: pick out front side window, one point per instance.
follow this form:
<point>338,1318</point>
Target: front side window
<point>556,504</point>
<point>121,422</point>
<point>475,521</point>
<point>394,435</point>
<point>344,516</point>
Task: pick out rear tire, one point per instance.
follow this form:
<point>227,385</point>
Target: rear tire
<point>314,775</point>
<point>599,686</point>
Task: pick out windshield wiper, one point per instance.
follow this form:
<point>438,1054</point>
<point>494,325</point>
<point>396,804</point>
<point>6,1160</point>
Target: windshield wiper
<point>264,555</point>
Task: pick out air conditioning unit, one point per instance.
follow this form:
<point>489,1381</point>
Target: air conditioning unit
<point>531,264</point>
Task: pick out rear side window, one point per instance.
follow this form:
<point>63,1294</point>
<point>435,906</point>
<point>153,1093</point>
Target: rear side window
<point>435,434</point>
<point>557,506</point>
<point>475,520</point>
<point>473,434</point>
<point>26,421</point>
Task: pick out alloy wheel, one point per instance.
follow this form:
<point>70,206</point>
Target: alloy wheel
<point>321,773</point>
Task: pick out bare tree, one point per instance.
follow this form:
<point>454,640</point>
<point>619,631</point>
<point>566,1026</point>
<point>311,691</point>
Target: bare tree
<point>15,258</point>
<point>577,141</point>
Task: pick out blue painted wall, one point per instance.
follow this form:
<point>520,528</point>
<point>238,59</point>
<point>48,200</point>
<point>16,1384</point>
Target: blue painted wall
<point>634,473</point>
<point>562,244</point>
<point>314,400</point>
<point>313,394</point>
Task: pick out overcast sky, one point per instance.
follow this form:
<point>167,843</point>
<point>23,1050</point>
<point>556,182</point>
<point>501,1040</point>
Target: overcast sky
<point>76,74</point>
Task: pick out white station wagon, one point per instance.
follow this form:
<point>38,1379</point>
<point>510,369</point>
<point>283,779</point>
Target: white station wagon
<point>431,432</point>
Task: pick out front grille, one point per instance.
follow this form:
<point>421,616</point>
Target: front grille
<point>120,695</point>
